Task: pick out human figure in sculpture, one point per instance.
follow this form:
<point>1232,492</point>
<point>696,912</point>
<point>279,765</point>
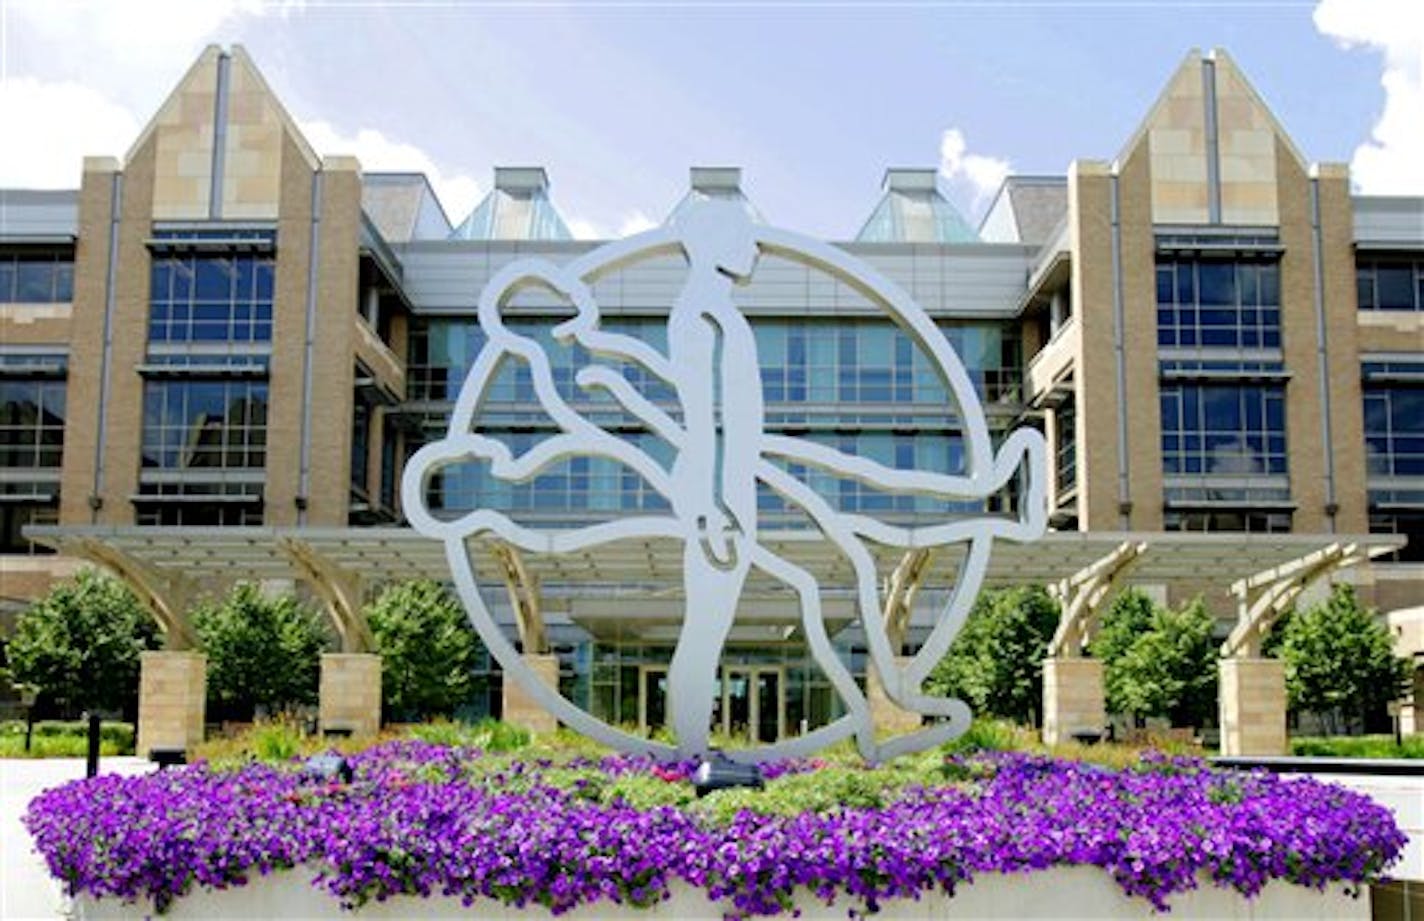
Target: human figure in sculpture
<point>713,353</point>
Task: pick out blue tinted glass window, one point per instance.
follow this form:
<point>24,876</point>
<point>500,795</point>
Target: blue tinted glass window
<point>204,424</point>
<point>36,278</point>
<point>1394,430</point>
<point>1226,429</point>
<point>210,298</point>
<point>1212,303</point>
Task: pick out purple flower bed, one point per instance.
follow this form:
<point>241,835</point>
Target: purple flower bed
<point>418,821</point>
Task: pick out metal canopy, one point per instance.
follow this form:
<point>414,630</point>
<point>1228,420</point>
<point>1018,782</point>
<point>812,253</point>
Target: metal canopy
<point>644,566</point>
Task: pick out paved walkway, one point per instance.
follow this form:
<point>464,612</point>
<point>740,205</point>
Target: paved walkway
<point>26,888</point>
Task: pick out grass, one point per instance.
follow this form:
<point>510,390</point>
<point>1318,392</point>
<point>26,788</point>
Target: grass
<point>58,739</point>
<point>1358,746</point>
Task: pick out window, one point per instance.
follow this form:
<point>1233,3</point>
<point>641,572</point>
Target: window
<point>15,516</point>
<point>204,424</point>
<point>207,297</point>
<point>1394,430</point>
<point>1248,520</point>
<point>36,277</point>
<point>1065,448</point>
<point>170,499</point>
<point>1390,283</point>
<point>197,515</point>
<point>361,414</point>
<point>1217,303</point>
<point>31,423</point>
<point>1233,430</point>
<point>1408,522</point>
<point>875,362</point>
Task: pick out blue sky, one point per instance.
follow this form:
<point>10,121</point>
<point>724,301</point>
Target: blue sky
<point>813,100</point>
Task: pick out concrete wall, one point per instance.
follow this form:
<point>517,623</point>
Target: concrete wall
<point>1060,892</point>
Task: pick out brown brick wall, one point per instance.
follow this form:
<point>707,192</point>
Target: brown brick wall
<point>289,318</point>
<point>1299,342</point>
<point>1139,285</point>
<point>86,345</point>
<point>1090,223</point>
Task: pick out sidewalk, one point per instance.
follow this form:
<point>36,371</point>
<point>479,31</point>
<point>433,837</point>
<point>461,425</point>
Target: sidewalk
<point>26,889</point>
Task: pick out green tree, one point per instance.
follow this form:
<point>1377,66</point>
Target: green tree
<point>996,662</point>
<point>428,649</point>
<point>80,645</point>
<point>1169,669</point>
<point>262,651</point>
<point>1129,614</point>
<point>1340,661</point>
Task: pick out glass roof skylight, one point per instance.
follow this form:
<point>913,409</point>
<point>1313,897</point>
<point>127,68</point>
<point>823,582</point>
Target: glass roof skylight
<point>517,209</point>
<point>913,210</point>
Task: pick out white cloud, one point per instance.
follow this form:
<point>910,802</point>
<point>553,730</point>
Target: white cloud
<point>134,47</point>
<point>61,123</point>
<point>458,192</point>
<point>982,175</point>
<point>1392,160</point>
<point>634,221</point>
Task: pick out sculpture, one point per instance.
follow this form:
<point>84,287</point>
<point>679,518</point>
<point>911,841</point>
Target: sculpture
<point>721,453</point>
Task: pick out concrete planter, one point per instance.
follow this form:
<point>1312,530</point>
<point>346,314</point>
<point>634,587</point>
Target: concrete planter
<point>1062,892</point>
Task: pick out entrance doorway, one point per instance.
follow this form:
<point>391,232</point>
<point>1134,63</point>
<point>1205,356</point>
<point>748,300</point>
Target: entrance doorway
<point>753,704</point>
<point>750,702</point>
<point>652,698</point>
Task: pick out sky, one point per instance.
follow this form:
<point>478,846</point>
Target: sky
<point>814,99</point>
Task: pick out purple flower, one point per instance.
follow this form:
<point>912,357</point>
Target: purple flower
<point>424,819</point>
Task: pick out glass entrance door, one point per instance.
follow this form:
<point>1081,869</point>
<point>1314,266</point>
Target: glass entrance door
<point>753,703</point>
<point>652,698</point>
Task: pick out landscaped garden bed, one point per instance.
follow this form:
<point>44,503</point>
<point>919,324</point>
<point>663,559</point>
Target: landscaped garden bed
<point>442,822</point>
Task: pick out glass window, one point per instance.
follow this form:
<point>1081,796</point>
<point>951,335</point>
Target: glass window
<point>1394,430</point>
<point>198,515</point>
<point>31,423</point>
<point>1212,303</point>
<point>1224,429</point>
<point>1390,283</point>
<point>36,277</point>
<point>205,424</point>
<point>205,297</point>
<point>1249,520</point>
<point>14,516</point>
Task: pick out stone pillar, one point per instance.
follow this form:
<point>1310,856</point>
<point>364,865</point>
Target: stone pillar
<point>888,717</point>
<point>351,692</point>
<point>1253,707</point>
<point>172,696</point>
<point>1073,698</point>
<point>522,710</point>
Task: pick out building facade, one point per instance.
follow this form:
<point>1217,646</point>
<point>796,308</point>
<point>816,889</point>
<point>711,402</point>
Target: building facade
<point>229,345</point>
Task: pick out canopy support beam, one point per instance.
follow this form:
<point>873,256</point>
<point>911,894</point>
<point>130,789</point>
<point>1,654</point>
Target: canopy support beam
<point>901,589</point>
<point>1083,594</point>
<point>1262,598</point>
<point>168,596</point>
<point>339,590</point>
<point>523,588</point>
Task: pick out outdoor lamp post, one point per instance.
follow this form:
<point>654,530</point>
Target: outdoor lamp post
<point>29,693</point>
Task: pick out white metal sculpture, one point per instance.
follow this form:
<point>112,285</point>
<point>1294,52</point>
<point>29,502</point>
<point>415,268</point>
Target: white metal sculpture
<point>721,452</point>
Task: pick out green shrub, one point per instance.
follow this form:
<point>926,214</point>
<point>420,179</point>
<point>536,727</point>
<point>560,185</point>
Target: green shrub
<point>279,740</point>
<point>428,650</point>
<point>80,645</point>
<point>1358,747</point>
<point>996,661</point>
<point>262,652</point>
<point>488,735</point>
<point>993,736</point>
<point>645,791</point>
<point>70,739</point>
